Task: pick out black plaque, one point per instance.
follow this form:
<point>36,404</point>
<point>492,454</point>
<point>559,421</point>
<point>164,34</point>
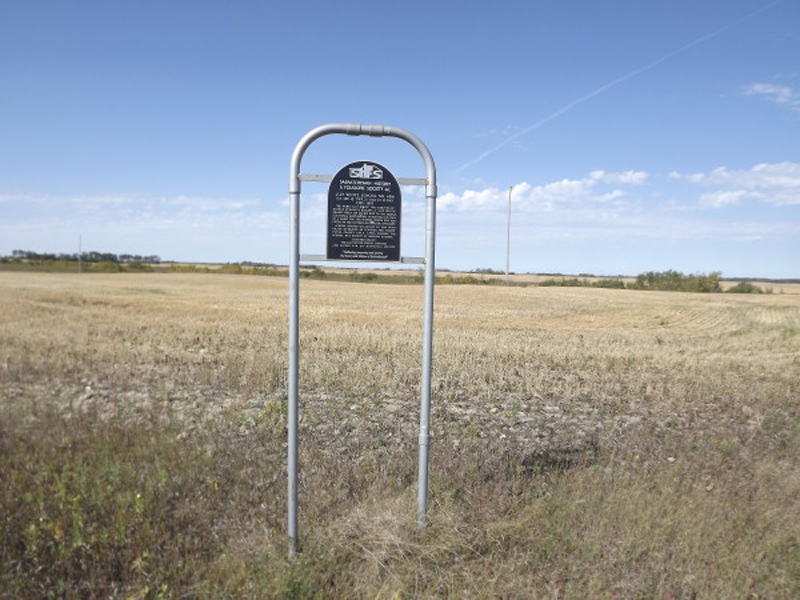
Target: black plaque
<point>364,214</point>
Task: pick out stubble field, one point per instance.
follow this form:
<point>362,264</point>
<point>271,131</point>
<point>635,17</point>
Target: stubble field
<point>585,442</point>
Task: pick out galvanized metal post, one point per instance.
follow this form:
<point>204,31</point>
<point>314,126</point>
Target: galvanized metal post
<point>294,362</point>
<point>294,301</point>
<point>427,355</point>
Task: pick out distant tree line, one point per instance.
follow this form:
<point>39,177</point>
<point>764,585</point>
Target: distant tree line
<point>91,256</point>
<point>675,281</point>
<point>663,281</point>
<point>671,280</point>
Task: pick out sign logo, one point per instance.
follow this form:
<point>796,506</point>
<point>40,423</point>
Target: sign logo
<point>366,171</point>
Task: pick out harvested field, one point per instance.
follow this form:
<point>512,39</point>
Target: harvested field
<point>585,442</point>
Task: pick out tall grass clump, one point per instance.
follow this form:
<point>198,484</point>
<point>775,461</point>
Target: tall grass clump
<point>98,509</point>
<point>107,508</point>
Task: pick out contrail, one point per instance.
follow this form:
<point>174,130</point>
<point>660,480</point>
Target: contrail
<point>614,83</point>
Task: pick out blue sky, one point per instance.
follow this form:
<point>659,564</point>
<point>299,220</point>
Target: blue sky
<point>636,135</point>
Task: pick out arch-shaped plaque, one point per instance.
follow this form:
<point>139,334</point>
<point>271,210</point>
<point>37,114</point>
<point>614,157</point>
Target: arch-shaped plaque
<point>364,211</point>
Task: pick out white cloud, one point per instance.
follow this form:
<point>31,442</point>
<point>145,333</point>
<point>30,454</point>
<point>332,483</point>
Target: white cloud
<point>625,178</point>
<point>471,200</point>
<point>723,198</point>
<point>781,95</point>
<point>773,183</point>
<point>564,194</point>
<point>612,195</point>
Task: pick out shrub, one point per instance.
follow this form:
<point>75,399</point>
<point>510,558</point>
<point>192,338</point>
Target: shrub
<point>234,268</point>
<point>616,284</point>
<point>743,287</point>
<point>356,276</point>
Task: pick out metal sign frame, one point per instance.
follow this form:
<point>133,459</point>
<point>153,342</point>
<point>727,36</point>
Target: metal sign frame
<point>295,179</point>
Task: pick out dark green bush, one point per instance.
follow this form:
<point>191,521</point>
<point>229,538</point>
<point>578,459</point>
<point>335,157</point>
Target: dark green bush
<point>743,287</point>
<point>616,284</point>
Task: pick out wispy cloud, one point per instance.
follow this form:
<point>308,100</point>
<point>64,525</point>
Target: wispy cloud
<point>773,183</point>
<point>782,95</point>
<point>613,83</point>
<point>118,211</point>
<point>176,227</point>
<point>723,198</point>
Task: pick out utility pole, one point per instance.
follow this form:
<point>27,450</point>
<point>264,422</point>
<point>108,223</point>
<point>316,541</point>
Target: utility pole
<point>80,253</point>
<point>508,236</point>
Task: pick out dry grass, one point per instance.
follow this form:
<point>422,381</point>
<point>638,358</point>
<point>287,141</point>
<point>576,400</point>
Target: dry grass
<point>587,442</point>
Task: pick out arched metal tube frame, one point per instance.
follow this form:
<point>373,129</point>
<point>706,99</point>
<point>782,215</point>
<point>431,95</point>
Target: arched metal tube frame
<point>355,129</point>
